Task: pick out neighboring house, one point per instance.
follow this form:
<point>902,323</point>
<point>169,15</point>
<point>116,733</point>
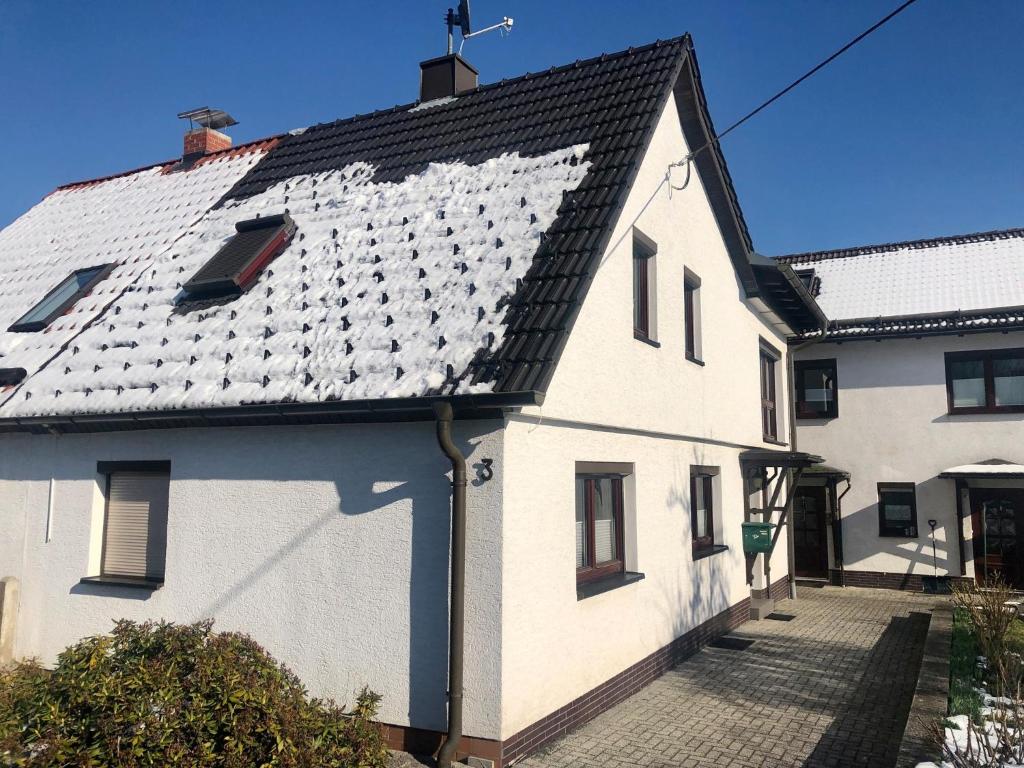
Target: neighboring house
<point>243,425</point>
<point>915,398</point>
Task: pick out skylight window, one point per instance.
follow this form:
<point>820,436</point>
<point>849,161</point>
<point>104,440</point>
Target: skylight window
<point>239,262</point>
<point>61,299</point>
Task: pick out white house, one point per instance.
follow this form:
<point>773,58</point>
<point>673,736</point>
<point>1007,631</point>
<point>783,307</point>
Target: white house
<point>256,409</point>
<point>915,396</point>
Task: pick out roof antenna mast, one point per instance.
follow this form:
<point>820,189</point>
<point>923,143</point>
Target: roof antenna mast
<point>461,19</point>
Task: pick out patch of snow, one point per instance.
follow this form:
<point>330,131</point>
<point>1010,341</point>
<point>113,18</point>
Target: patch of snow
<point>129,220</point>
<point>387,290</point>
<point>434,103</point>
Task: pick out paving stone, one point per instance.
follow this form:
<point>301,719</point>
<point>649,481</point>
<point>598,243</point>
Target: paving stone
<point>830,689</point>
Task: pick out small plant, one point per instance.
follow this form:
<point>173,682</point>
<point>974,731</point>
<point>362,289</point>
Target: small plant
<point>159,694</point>
<point>990,616</point>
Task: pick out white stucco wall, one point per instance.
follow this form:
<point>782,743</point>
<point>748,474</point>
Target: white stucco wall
<point>609,393</point>
<point>329,545</point>
<point>893,426</point>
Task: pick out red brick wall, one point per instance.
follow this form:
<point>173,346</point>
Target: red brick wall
<point>203,141</point>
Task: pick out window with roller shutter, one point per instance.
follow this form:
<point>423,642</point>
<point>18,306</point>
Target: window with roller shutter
<point>135,523</point>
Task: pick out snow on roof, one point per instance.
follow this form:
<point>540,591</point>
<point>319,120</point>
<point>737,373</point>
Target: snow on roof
<point>988,468</point>
<point>964,273</point>
<point>388,289</point>
<point>128,220</point>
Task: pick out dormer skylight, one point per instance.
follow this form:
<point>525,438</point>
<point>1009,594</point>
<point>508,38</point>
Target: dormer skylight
<point>239,261</point>
<point>61,299</point>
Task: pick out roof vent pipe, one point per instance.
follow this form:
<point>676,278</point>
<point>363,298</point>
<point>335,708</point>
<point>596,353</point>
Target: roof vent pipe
<point>446,76</point>
<point>443,412</point>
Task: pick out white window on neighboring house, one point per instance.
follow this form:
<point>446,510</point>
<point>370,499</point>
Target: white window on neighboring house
<point>645,292</point>
<point>135,521</point>
<point>691,317</point>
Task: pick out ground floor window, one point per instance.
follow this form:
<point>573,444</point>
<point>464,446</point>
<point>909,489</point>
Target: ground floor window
<point>599,504</point>
<point>135,520</point>
<point>703,508</point>
<point>897,510</point>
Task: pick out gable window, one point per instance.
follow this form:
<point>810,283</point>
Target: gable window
<point>990,381</point>
<point>241,259</point>
<point>61,299</point>
<point>897,510</point>
<point>135,522</point>
<point>599,506</point>
<point>703,510</point>
<point>691,316</point>
<point>769,403</point>
<point>644,287</point>
<point>817,394</point>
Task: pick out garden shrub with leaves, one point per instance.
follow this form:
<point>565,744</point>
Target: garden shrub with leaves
<point>160,694</point>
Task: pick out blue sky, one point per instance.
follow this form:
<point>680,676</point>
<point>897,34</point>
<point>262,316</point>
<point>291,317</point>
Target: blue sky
<point>915,132</point>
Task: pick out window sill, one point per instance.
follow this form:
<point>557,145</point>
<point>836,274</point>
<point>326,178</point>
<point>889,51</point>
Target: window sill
<point>646,339</point>
<point>694,359</point>
<point>598,586</point>
<point>897,535</point>
<point>818,417</point>
<point>123,581</point>
<point>980,411</point>
<point>700,554</point>
<point>775,441</point>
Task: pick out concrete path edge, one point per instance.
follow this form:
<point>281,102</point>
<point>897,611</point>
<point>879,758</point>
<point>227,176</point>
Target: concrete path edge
<point>931,696</point>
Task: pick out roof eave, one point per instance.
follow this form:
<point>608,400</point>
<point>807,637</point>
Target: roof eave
<point>471,406</point>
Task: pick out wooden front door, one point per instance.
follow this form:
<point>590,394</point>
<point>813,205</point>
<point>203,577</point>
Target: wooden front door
<point>997,517</point>
<point>810,534</point>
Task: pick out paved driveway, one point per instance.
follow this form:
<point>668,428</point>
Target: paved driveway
<point>830,688</point>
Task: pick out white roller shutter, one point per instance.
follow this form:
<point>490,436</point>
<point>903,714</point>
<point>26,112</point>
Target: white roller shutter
<point>135,533</point>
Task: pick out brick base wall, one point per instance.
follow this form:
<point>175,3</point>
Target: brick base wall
<point>589,705</point>
<point>779,590</point>
<point>912,582</point>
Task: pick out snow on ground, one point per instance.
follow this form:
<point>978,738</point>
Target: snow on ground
<point>129,219</point>
<point>387,290</point>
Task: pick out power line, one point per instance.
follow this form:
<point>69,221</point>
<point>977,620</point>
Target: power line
<point>874,27</point>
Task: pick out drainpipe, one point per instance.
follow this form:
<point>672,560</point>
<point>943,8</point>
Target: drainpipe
<point>443,413</point>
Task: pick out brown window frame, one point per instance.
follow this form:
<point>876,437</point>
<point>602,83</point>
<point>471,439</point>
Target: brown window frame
<point>800,389</point>
<point>101,271</point>
<point>705,476</point>
<point>986,357</point>
<point>888,531</point>
<point>592,571</point>
<point>691,324</point>
<point>643,254</point>
<point>107,469</point>
<point>769,358</point>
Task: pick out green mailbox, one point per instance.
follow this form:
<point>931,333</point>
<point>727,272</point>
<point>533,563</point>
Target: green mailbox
<point>757,537</point>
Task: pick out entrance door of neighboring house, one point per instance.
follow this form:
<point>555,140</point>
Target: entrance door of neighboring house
<point>810,535</point>
<point>997,517</point>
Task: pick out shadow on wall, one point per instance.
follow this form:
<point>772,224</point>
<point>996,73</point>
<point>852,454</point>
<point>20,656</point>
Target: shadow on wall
<point>368,475</point>
<point>863,525</point>
<point>703,589</point>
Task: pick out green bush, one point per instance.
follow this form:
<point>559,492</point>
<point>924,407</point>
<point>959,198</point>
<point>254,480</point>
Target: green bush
<point>167,695</point>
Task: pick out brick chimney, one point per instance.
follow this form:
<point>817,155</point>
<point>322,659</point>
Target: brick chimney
<point>204,135</point>
<point>202,141</point>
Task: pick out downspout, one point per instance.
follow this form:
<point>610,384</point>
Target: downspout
<point>838,532</point>
<point>443,414</point>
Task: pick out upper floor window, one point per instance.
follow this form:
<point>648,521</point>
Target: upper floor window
<point>644,282</point>
<point>989,381</point>
<point>769,403</point>
<point>599,520</point>
<point>816,389</point>
<point>242,258</point>
<point>897,510</point>
<point>61,299</point>
<point>691,316</point>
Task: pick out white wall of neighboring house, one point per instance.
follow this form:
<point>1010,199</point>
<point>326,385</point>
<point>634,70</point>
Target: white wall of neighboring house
<point>608,395</point>
<point>329,545</point>
<point>894,426</point>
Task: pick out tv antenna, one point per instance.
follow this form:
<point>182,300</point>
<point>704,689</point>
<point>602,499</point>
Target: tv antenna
<point>461,19</point>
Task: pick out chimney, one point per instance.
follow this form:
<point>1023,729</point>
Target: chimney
<point>204,136</point>
<point>446,76</point>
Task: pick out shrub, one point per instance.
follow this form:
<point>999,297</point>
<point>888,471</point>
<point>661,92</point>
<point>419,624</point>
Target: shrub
<point>989,615</point>
<point>159,694</point>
